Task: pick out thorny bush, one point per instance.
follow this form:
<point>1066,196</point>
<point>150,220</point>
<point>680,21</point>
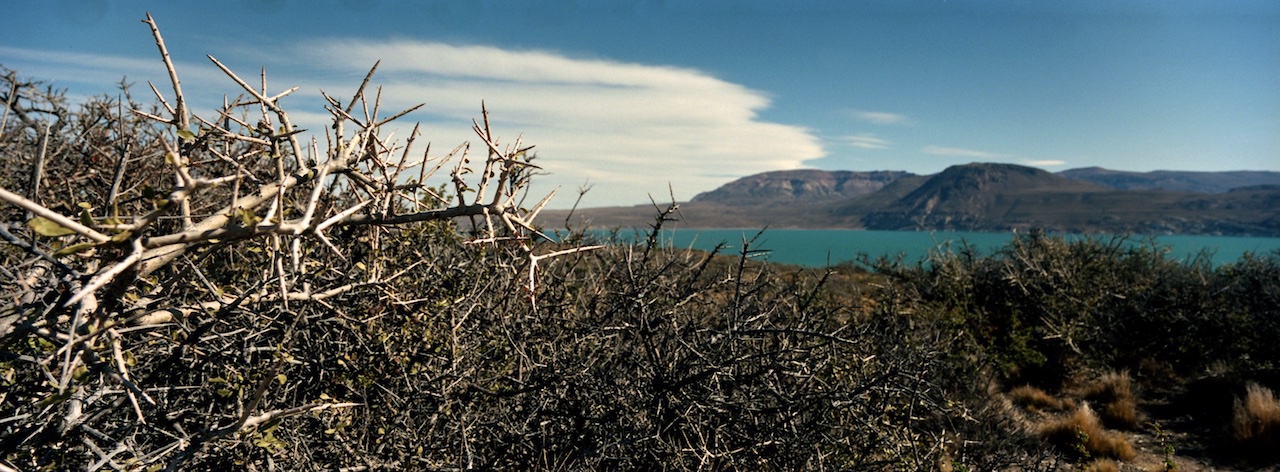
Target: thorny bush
<point>1045,306</point>
<point>205,294</point>
<point>163,266</point>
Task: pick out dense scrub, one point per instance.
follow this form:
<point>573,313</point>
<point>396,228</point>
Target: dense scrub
<point>1079,316</point>
<point>192,293</point>
<point>427,331</point>
<point>1045,306</point>
<point>630,357</point>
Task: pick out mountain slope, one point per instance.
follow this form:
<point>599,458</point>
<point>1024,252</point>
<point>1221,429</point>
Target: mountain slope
<point>1178,181</point>
<point>973,197</point>
<point>799,186</point>
<point>1001,197</point>
<point>970,196</point>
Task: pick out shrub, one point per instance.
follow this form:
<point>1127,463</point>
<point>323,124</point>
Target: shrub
<point>271,311</point>
<point>1256,421</point>
<point>1046,306</point>
<point>279,309</point>
<point>189,289</point>
<point>1081,433</point>
<point>1102,465</point>
<point>1114,391</point>
<point>1034,399</point>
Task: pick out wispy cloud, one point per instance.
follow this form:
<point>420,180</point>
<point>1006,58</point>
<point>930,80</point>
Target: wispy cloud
<point>881,118</point>
<point>961,152</point>
<point>90,74</point>
<point>64,59</point>
<point>1046,163</point>
<point>630,129</point>
<point>865,141</point>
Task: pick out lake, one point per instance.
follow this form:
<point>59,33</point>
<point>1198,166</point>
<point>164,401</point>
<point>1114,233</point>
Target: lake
<point>823,247</point>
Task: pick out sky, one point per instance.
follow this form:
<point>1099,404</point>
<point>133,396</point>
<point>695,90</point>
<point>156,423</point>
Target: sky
<point>640,99</point>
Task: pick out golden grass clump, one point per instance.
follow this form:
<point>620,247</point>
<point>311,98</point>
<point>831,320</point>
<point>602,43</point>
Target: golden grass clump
<point>1119,406</point>
<point>1034,399</point>
<point>1257,417</point>
<point>1102,465</point>
<point>1081,432</point>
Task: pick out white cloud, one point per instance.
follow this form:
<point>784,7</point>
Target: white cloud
<point>630,129</point>
<point>90,74</point>
<point>881,118</point>
<point>960,152</point>
<point>866,141</point>
<point>1046,163</point>
<point>88,61</point>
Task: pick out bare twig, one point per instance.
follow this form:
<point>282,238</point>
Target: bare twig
<point>37,168</point>
<point>180,118</point>
<point>218,188</point>
<point>41,211</point>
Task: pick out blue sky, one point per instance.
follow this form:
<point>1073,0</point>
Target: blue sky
<point>633,96</point>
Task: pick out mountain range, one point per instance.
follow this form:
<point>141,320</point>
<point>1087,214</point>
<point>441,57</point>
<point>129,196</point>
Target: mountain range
<point>977,197</point>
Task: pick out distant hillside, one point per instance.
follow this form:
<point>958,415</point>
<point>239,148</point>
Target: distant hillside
<point>973,197</point>
<point>1177,181</point>
<point>1001,197</point>
<point>973,189</point>
<point>803,186</point>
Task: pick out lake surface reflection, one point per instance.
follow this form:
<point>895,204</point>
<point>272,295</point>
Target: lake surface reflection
<point>823,247</point>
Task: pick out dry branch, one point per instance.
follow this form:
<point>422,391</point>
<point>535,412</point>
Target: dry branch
<point>243,196</point>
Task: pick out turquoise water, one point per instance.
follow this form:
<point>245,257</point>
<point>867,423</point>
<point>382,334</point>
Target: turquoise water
<point>823,247</point>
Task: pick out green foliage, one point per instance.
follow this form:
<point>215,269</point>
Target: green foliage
<point>48,228</point>
<point>1167,450</point>
<point>1044,305</point>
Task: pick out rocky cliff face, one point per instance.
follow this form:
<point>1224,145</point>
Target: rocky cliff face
<point>800,186</point>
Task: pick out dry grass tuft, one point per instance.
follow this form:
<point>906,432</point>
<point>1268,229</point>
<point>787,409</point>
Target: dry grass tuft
<point>1081,432</point>
<point>1114,391</point>
<point>1102,465</point>
<point>1034,399</point>
<point>1257,419</point>
<point>1122,413</point>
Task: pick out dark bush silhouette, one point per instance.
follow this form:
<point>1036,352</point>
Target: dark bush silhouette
<point>1045,306</point>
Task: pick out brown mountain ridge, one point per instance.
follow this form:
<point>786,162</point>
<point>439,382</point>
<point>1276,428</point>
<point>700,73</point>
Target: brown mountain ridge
<point>977,197</point>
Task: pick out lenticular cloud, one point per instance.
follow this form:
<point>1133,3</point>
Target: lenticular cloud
<point>628,128</point>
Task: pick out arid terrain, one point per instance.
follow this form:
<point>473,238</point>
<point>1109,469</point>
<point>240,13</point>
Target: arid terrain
<point>980,197</point>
